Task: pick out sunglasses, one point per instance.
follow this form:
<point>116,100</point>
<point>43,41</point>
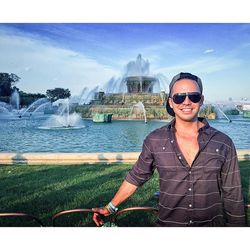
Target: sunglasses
<point>180,97</point>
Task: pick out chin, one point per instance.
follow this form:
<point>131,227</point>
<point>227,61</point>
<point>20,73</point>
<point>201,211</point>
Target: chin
<point>187,117</point>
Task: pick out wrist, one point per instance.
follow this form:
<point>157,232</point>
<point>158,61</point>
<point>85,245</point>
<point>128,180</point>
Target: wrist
<point>111,208</point>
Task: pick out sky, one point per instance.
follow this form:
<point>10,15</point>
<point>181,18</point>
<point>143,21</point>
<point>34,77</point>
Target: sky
<point>78,55</point>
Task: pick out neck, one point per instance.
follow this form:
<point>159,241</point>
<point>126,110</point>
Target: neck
<point>187,126</point>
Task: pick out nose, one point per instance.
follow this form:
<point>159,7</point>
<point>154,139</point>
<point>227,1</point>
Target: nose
<point>187,101</point>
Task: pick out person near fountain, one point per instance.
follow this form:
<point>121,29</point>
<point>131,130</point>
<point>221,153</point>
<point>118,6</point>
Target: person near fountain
<point>198,169</point>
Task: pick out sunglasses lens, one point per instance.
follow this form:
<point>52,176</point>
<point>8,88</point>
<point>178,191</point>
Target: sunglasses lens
<point>196,97</point>
<point>180,98</point>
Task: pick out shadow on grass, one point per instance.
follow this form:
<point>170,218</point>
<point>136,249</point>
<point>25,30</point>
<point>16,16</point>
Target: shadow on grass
<point>19,158</point>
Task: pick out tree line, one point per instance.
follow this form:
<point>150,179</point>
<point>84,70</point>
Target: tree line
<point>8,83</point>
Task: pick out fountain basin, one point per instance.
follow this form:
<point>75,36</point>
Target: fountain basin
<point>67,158</point>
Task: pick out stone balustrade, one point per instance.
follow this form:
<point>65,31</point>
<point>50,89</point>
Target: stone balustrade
<point>81,158</point>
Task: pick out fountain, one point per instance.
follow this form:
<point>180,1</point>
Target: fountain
<point>41,108</point>
<point>136,85</point>
<point>15,99</point>
<point>83,96</point>
<point>5,107</point>
<point>4,111</point>
<point>221,111</point>
<point>137,78</point>
<point>33,106</point>
<point>7,111</point>
<point>13,110</point>
<point>87,95</point>
<point>63,119</point>
<point>213,111</point>
<point>140,107</point>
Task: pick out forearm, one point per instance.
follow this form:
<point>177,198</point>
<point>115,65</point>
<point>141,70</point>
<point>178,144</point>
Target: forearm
<point>124,192</point>
<point>232,191</point>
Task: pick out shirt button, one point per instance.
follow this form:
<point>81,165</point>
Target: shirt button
<point>179,157</point>
<point>172,141</point>
<point>189,172</point>
<point>190,222</point>
<point>190,205</point>
<point>190,189</point>
<point>163,148</point>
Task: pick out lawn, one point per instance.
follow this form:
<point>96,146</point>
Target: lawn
<point>45,190</point>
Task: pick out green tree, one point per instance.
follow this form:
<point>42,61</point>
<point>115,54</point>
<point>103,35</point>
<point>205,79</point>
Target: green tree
<point>57,93</point>
<point>28,98</point>
<point>7,82</point>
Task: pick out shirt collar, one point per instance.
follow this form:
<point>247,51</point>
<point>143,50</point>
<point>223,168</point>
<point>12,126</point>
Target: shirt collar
<point>205,128</point>
<point>205,133</point>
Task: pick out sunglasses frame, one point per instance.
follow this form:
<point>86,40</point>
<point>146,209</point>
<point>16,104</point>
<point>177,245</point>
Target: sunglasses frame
<point>190,95</point>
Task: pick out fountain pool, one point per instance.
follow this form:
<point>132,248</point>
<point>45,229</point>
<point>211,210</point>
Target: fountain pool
<point>63,119</point>
<point>24,135</point>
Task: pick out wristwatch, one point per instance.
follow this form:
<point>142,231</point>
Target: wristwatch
<point>111,208</point>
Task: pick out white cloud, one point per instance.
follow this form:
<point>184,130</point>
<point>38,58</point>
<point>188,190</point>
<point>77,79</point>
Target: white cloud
<point>42,66</point>
<point>208,51</point>
<point>203,65</point>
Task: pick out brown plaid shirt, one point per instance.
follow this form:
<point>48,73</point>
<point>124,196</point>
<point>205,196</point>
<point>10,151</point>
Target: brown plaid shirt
<point>206,194</point>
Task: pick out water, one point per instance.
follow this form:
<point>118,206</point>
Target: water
<point>141,107</point>
<point>15,99</point>
<point>63,119</point>
<point>24,135</point>
<point>35,105</point>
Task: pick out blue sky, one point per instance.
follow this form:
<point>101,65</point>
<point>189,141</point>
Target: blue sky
<point>82,55</point>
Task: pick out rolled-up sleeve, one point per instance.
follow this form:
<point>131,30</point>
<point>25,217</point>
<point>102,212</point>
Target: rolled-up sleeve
<point>144,166</point>
<point>232,190</point>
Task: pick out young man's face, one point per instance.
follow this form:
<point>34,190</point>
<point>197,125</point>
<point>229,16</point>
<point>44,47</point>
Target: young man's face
<point>188,109</point>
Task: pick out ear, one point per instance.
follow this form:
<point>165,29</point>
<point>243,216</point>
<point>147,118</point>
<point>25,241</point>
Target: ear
<point>202,100</point>
<point>170,101</point>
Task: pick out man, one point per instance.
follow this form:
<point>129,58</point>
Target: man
<point>198,169</point>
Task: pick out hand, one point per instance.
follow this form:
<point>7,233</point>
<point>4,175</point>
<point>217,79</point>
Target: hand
<point>97,216</point>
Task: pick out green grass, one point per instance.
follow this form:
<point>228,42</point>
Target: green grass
<point>245,180</point>
<point>45,190</point>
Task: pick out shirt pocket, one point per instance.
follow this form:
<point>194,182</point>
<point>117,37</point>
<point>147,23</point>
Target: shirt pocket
<point>212,163</point>
<point>213,157</point>
<point>165,161</point>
